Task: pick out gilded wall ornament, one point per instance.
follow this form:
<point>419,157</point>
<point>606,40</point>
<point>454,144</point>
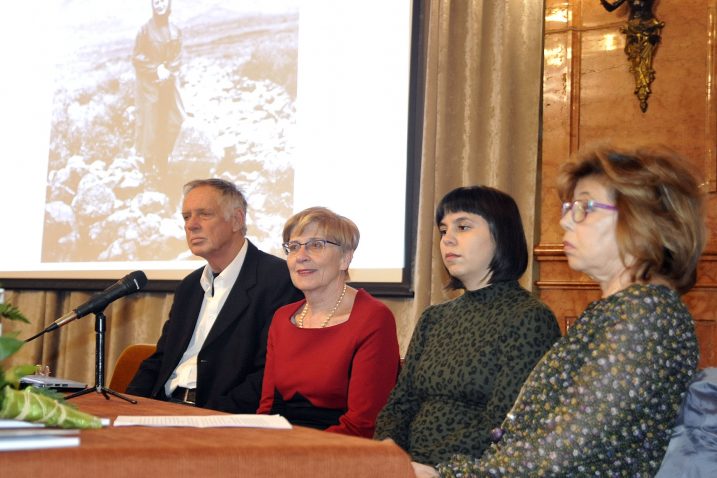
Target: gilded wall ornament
<point>642,35</point>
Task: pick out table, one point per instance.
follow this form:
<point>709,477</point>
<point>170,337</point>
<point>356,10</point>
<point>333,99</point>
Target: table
<point>129,452</point>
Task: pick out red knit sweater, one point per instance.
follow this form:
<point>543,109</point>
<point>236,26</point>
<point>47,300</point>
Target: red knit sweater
<point>349,367</point>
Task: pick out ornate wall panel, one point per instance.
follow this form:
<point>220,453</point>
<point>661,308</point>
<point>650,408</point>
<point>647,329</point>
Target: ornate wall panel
<point>588,97</point>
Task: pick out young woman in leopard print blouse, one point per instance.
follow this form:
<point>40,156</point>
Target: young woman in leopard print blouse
<point>469,356</point>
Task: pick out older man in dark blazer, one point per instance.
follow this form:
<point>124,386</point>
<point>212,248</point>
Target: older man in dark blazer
<point>212,349</point>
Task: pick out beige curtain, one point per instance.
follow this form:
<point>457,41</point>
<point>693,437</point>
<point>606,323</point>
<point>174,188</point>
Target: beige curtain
<point>481,126</point>
<point>70,350</point>
<point>481,122</point>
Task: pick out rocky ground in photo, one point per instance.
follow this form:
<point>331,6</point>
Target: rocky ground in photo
<point>101,206</point>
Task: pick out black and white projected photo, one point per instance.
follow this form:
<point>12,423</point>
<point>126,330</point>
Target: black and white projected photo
<point>110,107</point>
<point>154,94</point>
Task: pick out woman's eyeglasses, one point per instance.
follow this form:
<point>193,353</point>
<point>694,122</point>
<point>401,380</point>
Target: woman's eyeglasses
<point>582,207</point>
<point>312,246</point>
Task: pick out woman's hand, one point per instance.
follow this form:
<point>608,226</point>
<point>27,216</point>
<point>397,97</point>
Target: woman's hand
<point>424,471</point>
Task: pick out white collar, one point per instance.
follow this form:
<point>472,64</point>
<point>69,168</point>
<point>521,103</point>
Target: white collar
<point>230,273</point>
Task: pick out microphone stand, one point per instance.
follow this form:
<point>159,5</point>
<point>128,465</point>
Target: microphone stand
<point>99,387</point>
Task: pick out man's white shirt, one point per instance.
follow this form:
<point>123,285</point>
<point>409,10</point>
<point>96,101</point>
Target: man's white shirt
<point>216,291</point>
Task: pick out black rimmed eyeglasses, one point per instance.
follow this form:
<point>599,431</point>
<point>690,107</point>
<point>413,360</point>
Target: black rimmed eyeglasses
<point>582,207</point>
<point>312,245</point>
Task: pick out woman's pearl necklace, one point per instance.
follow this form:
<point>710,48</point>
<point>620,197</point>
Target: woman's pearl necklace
<point>300,320</point>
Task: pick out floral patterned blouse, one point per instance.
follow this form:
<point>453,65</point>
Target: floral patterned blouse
<point>603,400</point>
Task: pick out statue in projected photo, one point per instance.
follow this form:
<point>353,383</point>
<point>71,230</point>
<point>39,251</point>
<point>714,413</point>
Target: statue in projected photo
<point>160,112</point>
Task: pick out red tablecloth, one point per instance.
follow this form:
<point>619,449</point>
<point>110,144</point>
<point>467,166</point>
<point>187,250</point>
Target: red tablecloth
<point>129,452</point>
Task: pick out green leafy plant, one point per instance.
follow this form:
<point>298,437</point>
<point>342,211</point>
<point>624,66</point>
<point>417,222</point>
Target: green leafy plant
<point>9,344</point>
<point>32,404</point>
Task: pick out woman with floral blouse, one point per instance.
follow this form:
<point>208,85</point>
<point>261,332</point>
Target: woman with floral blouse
<point>602,401</point>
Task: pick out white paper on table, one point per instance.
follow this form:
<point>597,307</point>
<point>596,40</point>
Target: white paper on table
<point>32,438</point>
<point>206,421</point>
<point>11,423</point>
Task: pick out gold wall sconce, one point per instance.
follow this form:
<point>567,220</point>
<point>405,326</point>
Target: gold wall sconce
<point>642,35</point>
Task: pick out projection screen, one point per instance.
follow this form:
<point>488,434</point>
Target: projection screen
<point>300,103</point>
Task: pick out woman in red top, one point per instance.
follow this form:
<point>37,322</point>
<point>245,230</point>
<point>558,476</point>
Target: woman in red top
<point>332,359</point>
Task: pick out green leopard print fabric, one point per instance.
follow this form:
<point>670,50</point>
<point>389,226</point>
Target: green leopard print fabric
<point>465,365</point>
<point>603,400</point>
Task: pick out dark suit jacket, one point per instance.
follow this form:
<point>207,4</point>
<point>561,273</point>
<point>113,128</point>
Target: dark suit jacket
<point>230,366</point>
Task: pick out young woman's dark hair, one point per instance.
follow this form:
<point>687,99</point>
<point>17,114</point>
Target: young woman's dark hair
<point>506,228</point>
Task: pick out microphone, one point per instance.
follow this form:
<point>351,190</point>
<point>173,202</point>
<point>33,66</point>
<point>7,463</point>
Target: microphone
<point>129,284</point>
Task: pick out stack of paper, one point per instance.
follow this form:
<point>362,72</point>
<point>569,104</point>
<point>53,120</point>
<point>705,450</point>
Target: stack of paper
<point>19,435</point>
<point>206,421</point>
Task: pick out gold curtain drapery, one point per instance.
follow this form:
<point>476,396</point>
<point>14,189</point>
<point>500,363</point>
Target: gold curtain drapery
<point>481,122</point>
<point>481,126</point>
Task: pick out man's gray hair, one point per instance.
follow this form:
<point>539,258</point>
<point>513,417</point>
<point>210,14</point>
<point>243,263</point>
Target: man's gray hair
<point>230,198</point>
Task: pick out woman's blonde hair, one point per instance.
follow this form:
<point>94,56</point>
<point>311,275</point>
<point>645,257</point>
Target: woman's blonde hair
<point>334,227</point>
<point>660,223</point>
